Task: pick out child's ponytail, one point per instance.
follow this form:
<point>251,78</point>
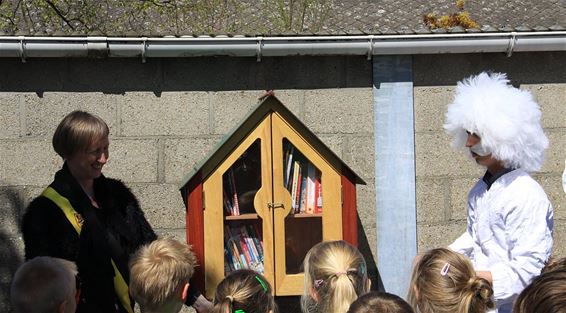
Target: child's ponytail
<point>335,276</point>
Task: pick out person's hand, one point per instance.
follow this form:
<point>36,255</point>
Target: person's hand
<point>202,305</point>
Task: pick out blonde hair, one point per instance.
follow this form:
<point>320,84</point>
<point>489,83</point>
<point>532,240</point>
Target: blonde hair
<point>546,293</point>
<point>335,276</point>
<point>42,284</point>
<point>381,302</point>
<point>444,281</point>
<point>77,131</point>
<point>159,271</point>
<point>244,290</point>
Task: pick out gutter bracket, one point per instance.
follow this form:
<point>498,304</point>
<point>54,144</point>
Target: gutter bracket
<point>370,49</point>
<point>22,48</point>
<point>259,46</point>
<point>512,41</point>
<point>144,49</point>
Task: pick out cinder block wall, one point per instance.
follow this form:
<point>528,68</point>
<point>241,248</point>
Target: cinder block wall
<point>444,176</point>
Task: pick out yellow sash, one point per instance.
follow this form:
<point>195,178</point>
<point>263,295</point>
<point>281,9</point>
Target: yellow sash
<point>75,219</point>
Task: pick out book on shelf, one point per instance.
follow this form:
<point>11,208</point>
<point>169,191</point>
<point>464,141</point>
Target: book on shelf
<point>303,189</point>
<point>243,249</point>
<point>295,185</point>
<point>236,210</point>
<point>318,193</point>
<point>310,189</point>
<point>289,166</point>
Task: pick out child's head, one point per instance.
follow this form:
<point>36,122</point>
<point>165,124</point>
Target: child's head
<point>444,281</point>
<point>244,291</point>
<point>546,293</point>
<point>335,276</point>
<point>381,302</point>
<point>160,273</point>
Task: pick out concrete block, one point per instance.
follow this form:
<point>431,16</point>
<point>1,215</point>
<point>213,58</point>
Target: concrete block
<point>430,104</point>
<point>162,204</point>
<point>29,162</point>
<point>432,197</point>
<point>10,104</point>
<point>339,110</point>
<point>11,257</point>
<point>181,155</point>
<point>360,155</point>
<point>230,107</point>
<point>293,100</point>
<point>335,143</point>
<point>172,113</point>
<point>552,101</point>
<point>552,185</point>
<point>175,233</point>
<point>555,154</point>
<point>42,115</point>
<point>459,189</point>
<point>559,249</point>
<point>367,214</point>
<point>11,210</point>
<point>133,160</point>
<point>438,235</point>
<point>435,157</point>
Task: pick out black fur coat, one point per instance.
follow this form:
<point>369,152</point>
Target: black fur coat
<point>47,232</point>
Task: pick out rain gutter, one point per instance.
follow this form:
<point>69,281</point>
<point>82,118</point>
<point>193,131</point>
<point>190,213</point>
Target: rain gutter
<point>173,47</point>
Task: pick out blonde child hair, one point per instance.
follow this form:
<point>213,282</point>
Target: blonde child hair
<point>381,302</point>
<point>335,276</point>
<point>244,291</point>
<point>444,281</point>
<point>160,273</point>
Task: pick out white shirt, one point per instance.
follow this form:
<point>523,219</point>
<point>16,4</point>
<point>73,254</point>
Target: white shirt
<point>509,233</point>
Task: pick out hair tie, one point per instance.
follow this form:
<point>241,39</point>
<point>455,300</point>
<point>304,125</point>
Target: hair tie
<point>261,283</point>
<point>318,283</point>
<point>445,269</point>
<point>230,298</point>
<point>340,273</point>
<point>239,311</point>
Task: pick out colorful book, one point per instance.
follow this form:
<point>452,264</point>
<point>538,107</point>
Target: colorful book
<point>310,189</point>
<point>318,194</point>
<point>234,193</point>
<point>289,167</point>
<point>296,167</point>
<point>303,190</point>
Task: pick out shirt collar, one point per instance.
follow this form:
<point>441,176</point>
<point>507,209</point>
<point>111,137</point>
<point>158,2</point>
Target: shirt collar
<point>489,178</point>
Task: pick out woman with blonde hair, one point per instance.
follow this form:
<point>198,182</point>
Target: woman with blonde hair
<point>244,291</point>
<point>335,276</point>
<point>444,281</point>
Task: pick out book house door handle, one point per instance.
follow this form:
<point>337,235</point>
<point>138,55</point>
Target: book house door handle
<point>275,205</point>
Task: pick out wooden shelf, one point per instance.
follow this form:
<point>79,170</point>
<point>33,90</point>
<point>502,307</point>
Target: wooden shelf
<point>246,216</point>
<point>306,215</point>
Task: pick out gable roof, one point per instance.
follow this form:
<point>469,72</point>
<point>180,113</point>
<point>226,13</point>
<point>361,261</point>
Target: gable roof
<point>232,139</point>
<point>271,17</point>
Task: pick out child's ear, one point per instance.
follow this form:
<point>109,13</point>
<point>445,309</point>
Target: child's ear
<point>313,294</point>
<point>184,292</point>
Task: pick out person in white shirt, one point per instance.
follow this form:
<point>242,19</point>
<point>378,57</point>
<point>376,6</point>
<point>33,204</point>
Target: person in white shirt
<point>510,219</point>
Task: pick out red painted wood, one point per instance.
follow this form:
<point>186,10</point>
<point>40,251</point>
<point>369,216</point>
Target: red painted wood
<point>349,212</point>
<point>195,227</point>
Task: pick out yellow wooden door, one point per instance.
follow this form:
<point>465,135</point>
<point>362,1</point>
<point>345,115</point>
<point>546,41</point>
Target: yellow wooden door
<point>297,230</point>
<point>257,210</point>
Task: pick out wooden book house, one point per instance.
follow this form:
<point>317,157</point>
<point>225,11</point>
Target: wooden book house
<point>263,197</point>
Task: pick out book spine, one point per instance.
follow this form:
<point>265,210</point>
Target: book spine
<point>235,193</point>
<point>318,195</point>
<point>289,167</point>
<point>303,192</point>
<point>310,189</point>
<point>257,244</point>
<point>294,186</point>
<point>247,256</point>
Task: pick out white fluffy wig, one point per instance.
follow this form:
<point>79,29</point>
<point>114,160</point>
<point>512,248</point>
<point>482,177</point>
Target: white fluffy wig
<point>506,119</point>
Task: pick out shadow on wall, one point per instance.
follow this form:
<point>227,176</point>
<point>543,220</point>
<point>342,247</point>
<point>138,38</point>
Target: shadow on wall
<point>118,76</point>
<point>521,68</point>
<point>10,257</point>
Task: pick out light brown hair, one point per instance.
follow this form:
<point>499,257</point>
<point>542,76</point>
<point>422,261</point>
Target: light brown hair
<point>41,284</point>
<point>546,293</point>
<point>444,281</point>
<point>381,302</point>
<point>335,276</point>
<point>159,271</point>
<point>77,131</point>
<point>244,290</point>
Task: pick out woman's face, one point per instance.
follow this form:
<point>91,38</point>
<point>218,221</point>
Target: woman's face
<point>87,165</point>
